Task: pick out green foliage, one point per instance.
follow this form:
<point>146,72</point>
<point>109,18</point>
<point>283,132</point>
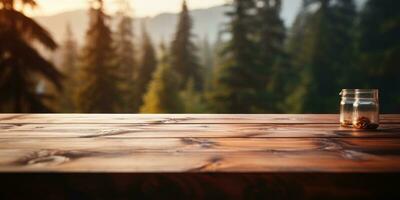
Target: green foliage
<point>126,62</point>
<point>192,99</point>
<point>98,92</point>
<point>234,86</point>
<point>22,68</point>
<point>380,50</point>
<point>184,59</point>
<point>324,53</point>
<point>243,83</point>
<point>146,69</point>
<point>299,35</point>
<point>163,93</point>
<point>273,60</point>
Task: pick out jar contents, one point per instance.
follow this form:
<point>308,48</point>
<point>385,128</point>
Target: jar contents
<point>365,123</point>
<point>366,109</point>
<point>346,107</point>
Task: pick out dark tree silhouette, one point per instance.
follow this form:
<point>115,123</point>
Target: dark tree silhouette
<point>273,60</point>
<point>236,80</point>
<point>380,50</point>
<point>184,58</point>
<point>126,59</point>
<point>98,92</point>
<point>21,66</point>
<point>325,57</point>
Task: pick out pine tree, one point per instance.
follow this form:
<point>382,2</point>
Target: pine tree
<point>98,92</point>
<point>126,60</point>
<point>272,34</point>
<point>380,50</point>
<point>272,56</point>
<point>70,69</point>
<point>344,16</point>
<point>183,51</point>
<point>299,37</point>
<point>22,68</point>
<point>163,93</point>
<point>326,56</point>
<point>237,82</point>
<point>148,65</point>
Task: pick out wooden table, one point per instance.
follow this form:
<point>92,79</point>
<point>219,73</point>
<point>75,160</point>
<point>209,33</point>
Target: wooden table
<point>197,157</point>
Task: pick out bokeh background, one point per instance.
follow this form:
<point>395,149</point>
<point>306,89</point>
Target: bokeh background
<point>196,56</point>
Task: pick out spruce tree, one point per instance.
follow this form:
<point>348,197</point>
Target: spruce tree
<point>98,92</point>
<point>299,39</point>
<point>22,68</point>
<point>272,59</point>
<point>236,83</point>
<point>272,34</point>
<point>380,50</point>
<point>327,56</point>
<point>126,60</point>
<point>146,68</point>
<point>346,17</point>
<point>70,69</point>
<point>184,58</point>
<point>163,93</point>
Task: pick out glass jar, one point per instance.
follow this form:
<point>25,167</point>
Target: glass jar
<point>366,109</point>
<point>346,107</point>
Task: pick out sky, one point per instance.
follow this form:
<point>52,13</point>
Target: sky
<point>141,8</point>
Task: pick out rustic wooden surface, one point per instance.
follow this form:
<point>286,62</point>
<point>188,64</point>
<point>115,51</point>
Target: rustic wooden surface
<point>251,152</point>
<point>190,143</point>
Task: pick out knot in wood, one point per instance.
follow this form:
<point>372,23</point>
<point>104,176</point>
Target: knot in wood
<point>43,157</point>
<point>51,157</point>
<point>203,143</point>
<point>48,160</point>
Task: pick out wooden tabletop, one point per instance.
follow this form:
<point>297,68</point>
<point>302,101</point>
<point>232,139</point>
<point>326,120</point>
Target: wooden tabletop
<point>194,143</point>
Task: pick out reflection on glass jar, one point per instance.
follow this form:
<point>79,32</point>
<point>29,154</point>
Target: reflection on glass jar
<point>346,107</point>
<point>366,109</point>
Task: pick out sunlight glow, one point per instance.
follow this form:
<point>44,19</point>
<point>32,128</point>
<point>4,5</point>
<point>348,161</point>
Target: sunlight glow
<point>141,7</point>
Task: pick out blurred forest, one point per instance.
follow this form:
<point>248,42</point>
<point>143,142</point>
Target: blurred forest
<point>256,66</point>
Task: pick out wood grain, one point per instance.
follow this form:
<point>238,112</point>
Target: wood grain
<point>201,155</point>
<point>241,162</point>
<point>188,143</point>
<point>174,118</point>
<point>191,130</point>
<point>179,118</point>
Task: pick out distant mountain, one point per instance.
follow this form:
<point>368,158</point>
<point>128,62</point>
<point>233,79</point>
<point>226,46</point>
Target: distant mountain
<point>160,27</point>
<point>207,22</point>
<point>56,24</point>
